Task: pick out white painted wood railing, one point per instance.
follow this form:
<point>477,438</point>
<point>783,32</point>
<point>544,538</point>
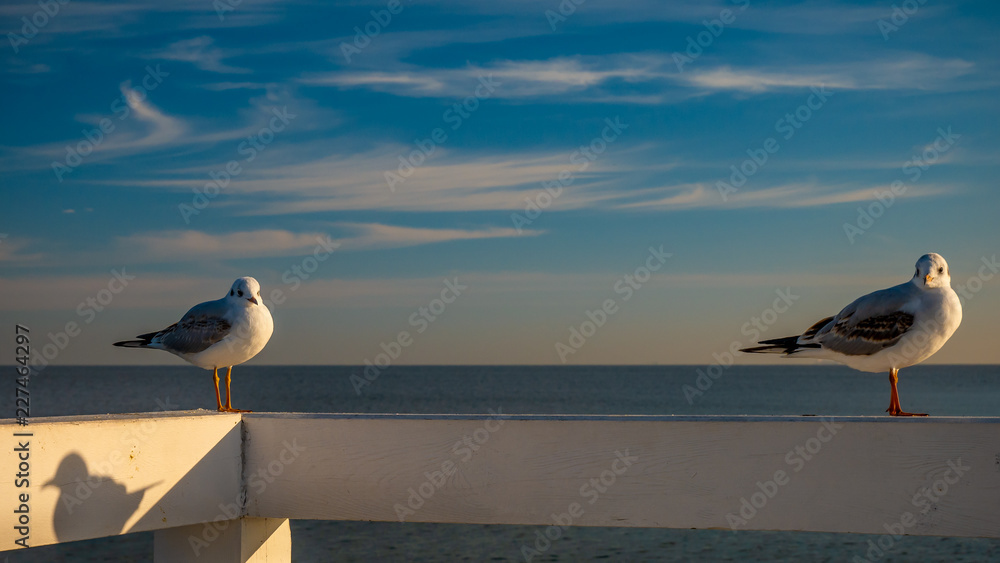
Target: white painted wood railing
<point>221,487</point>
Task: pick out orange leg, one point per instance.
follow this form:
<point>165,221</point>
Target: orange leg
<point>218,398</point>
<point>894,408</point>
<point>229,393</point>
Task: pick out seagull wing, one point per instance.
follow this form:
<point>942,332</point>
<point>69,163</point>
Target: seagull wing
<point>869,324</point>
<point>199,328</point>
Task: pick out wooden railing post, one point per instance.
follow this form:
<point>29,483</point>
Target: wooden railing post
<point>244,540</point>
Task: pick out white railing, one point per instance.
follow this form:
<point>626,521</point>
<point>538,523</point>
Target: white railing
<point>221,487</point>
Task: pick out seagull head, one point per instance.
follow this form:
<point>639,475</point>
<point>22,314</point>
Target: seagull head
<point>245,288</point>
<point>932,271</point>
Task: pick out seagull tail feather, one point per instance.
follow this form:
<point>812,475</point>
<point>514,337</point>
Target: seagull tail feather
<point>143,341</point>
<point>787,345</point>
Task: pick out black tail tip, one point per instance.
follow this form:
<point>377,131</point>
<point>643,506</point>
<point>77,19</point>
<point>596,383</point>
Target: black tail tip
<point>786,345</point>
<point>758,349</point>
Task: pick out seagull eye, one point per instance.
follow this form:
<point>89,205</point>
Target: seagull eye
<point>940,270</point>
<point>240,293</point>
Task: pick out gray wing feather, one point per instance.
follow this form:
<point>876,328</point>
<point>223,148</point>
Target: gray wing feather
<point>198,329</point>
<point>869,324</point>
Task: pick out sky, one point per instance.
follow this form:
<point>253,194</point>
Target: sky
<point>493,182</point>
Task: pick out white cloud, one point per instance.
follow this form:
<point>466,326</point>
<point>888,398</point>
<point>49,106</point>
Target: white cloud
<point>704,195</point>
<point>514,79</point>
<point>628,77</point>
<point>907,72</point>
<point>624,180</point>
<point>202,53</point>
<point>161,129</point>
<point>138,126</point>
<point>683,196</point>
<point>347,182</point>
<point>194,246</point>
<point>415,83</point>
<point>374,235</point>
<point>146,128</point>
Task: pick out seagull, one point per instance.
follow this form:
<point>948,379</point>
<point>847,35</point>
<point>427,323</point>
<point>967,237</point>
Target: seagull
<point>886,330</point>
<point>215,334</point>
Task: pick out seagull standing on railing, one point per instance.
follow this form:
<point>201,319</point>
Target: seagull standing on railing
<point>215,334</point>
<point>885,330</point>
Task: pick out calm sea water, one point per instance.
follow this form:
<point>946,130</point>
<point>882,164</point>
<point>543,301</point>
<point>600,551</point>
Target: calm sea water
<point>821,390</point>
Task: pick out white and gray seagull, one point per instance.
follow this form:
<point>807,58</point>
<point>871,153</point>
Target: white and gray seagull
<point>215,334</point>
<point>886,330</point>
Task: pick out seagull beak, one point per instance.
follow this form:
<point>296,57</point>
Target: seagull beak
<point>927,279</point>
<point>254,299</point>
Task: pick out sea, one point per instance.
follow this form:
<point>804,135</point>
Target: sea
<point>940,390</point>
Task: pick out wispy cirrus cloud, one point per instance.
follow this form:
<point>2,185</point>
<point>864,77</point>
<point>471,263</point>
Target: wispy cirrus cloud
<point>451,181</point>
<point>193,246</point>
<point>142,127</point>
<point>515,79</point>
<point>202,53</point>
<point>785,196</point>
<point>96,19</point>
<point>648,78</point>
<point>909,72</point>
<point>189,245</point>
<point>159,128</point>
<point>375,235</point>
<point>454,181</point>
<point>137,126</point>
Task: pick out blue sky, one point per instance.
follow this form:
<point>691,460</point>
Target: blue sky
<point>622,122</point>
